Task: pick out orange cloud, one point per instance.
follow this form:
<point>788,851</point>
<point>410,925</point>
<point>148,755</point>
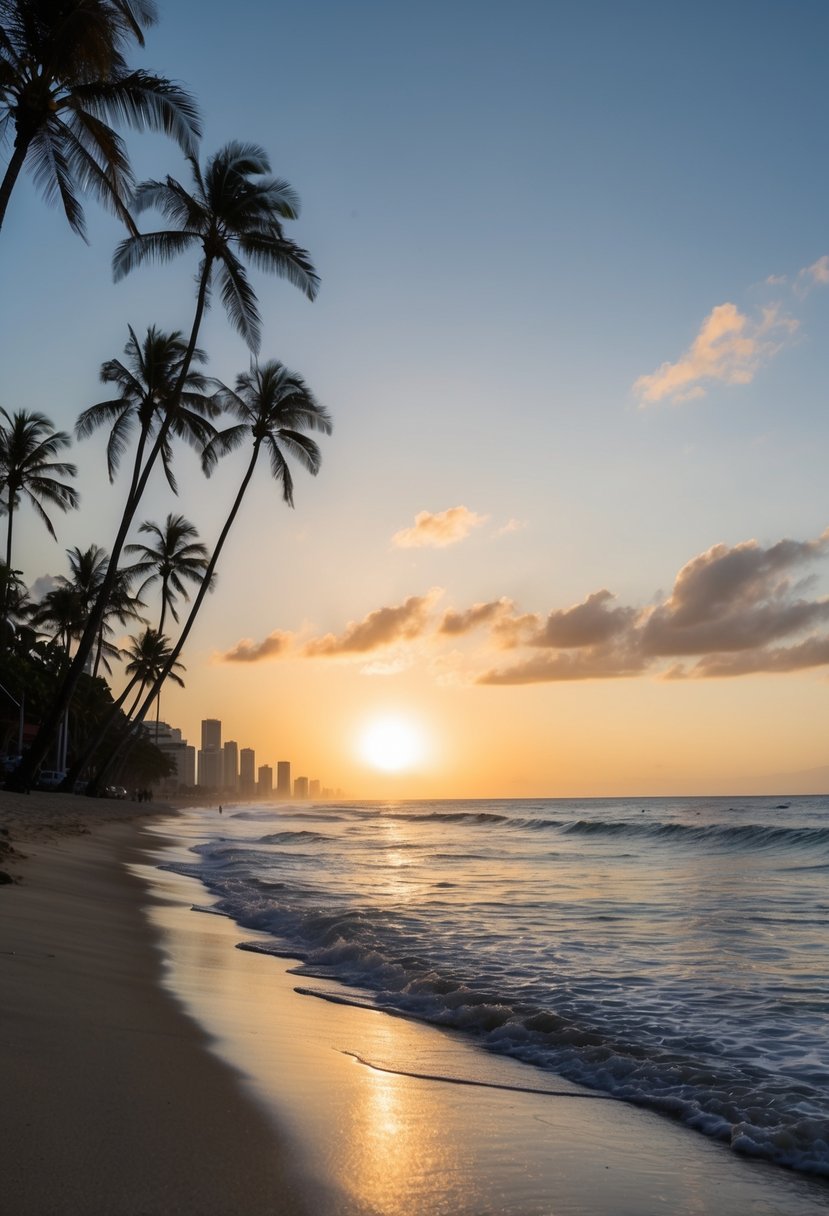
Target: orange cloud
<point>437,531</point>
<point>730,348</point>
<point>456,623</point>
<point>247,651</point>
<point>383,627</point>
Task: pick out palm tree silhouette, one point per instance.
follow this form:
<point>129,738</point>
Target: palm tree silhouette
<point>28,468</point>
<point>274,407</point>
<point>146,657</point>
<point>176,555</point>
<point>234,211</point>
<point>63,80</point>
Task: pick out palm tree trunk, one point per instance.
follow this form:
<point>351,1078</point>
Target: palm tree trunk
<point>18,156</point>
<point>155,690</point>
<point>41,742</point>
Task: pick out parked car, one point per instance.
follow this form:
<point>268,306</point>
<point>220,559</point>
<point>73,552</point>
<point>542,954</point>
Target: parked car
<point>49,779</point>
<point>115,791</point>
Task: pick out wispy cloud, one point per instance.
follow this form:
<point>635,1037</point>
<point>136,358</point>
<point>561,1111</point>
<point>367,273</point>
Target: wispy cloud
<point>383,627</point>
<point>275,645</point>
<point>512,525</point>
<point>816,275</point>
<point>437,531</point>
<point>730,348</point>
<point>456,623</point>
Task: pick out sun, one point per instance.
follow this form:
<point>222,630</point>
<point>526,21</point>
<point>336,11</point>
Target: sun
<point>391,744</point>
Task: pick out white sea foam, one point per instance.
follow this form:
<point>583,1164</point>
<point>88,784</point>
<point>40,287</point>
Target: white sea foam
<point>672,956</point>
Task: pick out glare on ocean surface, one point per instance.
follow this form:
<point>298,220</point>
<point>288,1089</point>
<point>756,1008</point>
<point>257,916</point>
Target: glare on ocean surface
<point>391,744</point>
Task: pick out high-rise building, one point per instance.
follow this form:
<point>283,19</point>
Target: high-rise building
<point>265,782</point>
<point>210,756</point>
<point>211,734</point>
<point>230,777</point>
<point>301,788</point>
<point>283,778</point>
<point>314,789</point>
<point>210,769</point>
<point>168,739</point>
<point>247,771</point>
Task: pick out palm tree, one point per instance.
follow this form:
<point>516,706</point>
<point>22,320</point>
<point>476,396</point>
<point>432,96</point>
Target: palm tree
<point>88,570</point>
<point>175,556</point>
<point>63,80</point>
<point>61,611</point>
<point>151,390</point>
<point>146,657</point>
<point>274,407</point>
<point>233,211</point>
<point>28,447</point>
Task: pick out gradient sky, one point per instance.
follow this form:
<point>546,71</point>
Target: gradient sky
<point>572,331</point>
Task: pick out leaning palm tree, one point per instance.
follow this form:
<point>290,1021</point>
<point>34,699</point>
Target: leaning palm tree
<point>234,212</point>
<point>159,397</point>
<point>274,407</point>
<point>28,468</point>
<point>63,80</point>
<point>176,555</point>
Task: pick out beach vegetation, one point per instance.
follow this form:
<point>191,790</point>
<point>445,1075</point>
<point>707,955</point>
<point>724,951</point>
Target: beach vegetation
<point>29,469</point>
<point>64,80</point>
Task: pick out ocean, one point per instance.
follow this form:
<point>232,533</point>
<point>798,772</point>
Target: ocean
<point>671,952</point>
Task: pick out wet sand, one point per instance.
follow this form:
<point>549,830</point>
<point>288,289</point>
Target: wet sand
<point>111,1103</point>
<point>150,1067</point>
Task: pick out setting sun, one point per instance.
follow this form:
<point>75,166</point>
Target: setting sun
<point>391,744</point>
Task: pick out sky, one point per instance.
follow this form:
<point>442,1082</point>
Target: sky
<point>570,529</point>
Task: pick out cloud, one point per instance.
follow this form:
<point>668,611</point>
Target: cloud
<point>457,623</point>
<point>383,627</point>
<point>591,663</point>
<point>512,525</point>
<point>733,610</point>
<point>730,348</point>
<point>813,652</point>
<point>274,646</point>
<point>731,599</point>
<point>585,624</point>
<point>437,531</point>
<point>816,275</point>
<point>42,586</point>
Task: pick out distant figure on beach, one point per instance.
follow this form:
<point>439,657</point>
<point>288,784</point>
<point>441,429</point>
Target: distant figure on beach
<point>220,808</point>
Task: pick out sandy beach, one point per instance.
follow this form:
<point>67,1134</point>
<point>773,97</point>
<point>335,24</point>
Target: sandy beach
<point>111,1105</point>
<point>150,1067</point>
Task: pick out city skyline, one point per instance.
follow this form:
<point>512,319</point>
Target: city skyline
<point>223,767</point>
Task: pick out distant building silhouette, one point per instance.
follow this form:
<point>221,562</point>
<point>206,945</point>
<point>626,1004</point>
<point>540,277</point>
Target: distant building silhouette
<point>265,782</point>
<point>170,742</point>
<point>301,788</point>
<point>230,768</point>
<point>211,770</point>
<point>283,778</point>
<point>314,789</point>
<point>247,771</point>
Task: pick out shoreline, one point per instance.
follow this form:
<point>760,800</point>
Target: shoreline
<point>113,1104</point>
<point>151,1067</point>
